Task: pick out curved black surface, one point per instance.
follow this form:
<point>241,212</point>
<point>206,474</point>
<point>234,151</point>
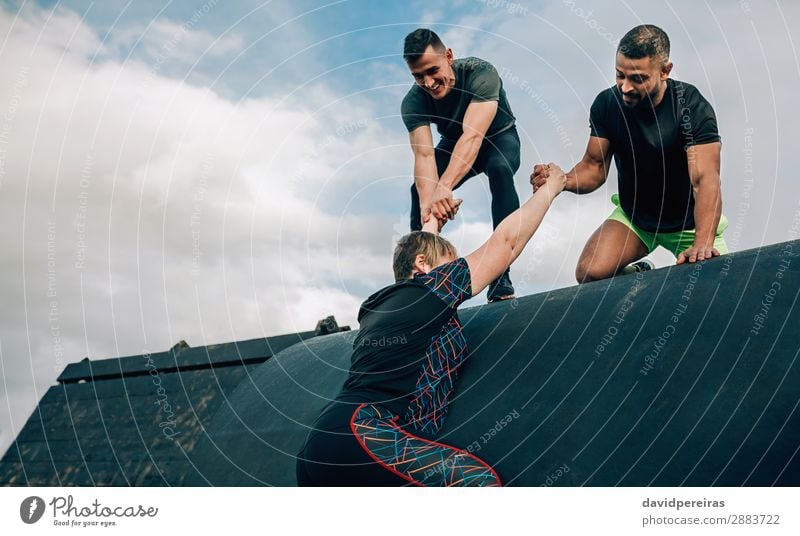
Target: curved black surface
<point>686,375</point>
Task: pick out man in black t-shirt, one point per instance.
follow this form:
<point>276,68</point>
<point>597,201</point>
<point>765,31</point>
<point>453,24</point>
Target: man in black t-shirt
<point>466,100</point>
<point>663,136</point>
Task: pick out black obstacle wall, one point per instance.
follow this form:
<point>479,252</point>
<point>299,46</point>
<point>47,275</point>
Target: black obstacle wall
<point>683,376</point>
<point>686,375</point>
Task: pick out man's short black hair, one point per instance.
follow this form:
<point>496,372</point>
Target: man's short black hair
<point>418,41</point>
<point>645,41</point>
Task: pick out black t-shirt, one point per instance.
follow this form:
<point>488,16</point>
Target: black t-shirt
<point>649,146</point>
<point>392,363</point>
<point>476,80</point>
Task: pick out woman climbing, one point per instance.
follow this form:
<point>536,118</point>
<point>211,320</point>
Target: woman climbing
<point>381,429</point>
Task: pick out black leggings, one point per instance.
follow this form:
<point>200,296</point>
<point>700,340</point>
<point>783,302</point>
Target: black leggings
<point>498,158</point>
<point>374,450</point>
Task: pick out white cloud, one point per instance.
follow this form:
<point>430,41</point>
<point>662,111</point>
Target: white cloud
<point>176,41</point>
<point>142,210</point>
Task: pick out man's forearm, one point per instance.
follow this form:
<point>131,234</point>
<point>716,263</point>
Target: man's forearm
<point>464,154</point>
<point>425,188</point>
<point>425,178</point>
<point>707,210</point>
<point>585,178</point>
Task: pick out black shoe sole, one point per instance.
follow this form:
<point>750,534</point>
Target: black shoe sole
<point>503,298</point>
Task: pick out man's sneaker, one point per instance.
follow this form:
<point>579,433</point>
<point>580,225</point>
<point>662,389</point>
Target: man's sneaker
<point>641,266</point>
<point>501,288</point>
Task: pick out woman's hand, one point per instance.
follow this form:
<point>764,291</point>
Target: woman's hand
<point>551,179</point>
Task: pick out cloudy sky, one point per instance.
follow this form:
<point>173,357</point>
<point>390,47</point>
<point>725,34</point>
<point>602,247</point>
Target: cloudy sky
<point>215,171</point>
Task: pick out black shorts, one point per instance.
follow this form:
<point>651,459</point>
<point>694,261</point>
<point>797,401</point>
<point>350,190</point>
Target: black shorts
<point>332,456</point>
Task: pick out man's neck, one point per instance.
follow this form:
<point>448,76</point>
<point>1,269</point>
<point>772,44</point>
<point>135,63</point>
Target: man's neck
<point>661,92</point>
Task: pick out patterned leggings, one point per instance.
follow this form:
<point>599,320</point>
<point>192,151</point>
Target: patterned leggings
<point>379,452</point>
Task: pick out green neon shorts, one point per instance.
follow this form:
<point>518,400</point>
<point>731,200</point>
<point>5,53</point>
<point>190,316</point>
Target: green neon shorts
<point>674,242</point>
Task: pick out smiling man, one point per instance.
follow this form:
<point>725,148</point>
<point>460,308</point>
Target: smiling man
<point>466,100</point>
<point>663,136</point>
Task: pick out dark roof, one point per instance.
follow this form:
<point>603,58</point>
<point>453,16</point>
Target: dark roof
<point>132,420</point>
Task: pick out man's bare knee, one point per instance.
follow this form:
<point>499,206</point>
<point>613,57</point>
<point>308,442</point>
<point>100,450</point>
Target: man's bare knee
<point>586,272</point>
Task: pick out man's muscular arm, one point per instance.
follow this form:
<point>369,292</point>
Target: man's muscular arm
<point>704,166</point>
<point>477,119</point>
<point>588,174</point>
<point>425,173</point>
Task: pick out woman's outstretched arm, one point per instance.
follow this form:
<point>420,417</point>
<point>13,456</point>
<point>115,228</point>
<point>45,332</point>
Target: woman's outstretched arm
<point>490,260</point>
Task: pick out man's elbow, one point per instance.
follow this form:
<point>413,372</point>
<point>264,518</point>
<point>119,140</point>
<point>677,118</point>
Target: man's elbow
<point>707,182</point>
<point>424,153</point>
<point>472,138</point>
<point>597,181</point>
<point>591,181</point>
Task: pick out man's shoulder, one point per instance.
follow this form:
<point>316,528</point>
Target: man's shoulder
<point>680,85</point>
<point>414,92</point>
<point>607,100</point>
<point>414,99</point>
<point>686,92</point>
<point>471,63</point>
<point>607,95</point>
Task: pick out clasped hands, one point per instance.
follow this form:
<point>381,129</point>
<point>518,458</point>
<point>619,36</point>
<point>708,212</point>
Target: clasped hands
<point>442,206</point>
<point>548,176</point>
